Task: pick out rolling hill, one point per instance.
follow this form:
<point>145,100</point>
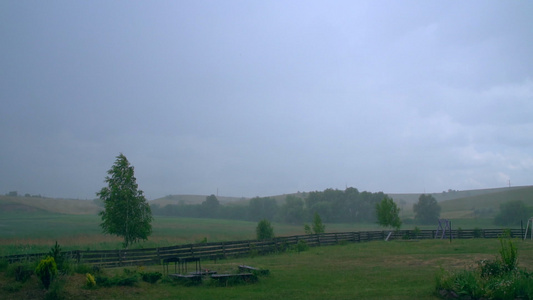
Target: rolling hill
<point>54,205</point>
<point>455,204</point>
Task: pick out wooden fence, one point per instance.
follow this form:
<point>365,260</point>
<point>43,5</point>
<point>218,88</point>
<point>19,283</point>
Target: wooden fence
<point>213,251</point>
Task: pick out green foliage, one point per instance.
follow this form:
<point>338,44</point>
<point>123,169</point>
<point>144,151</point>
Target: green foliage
<point>318,227</point>
<point>55,252</point>
<point>307,229</point>
<point>282,246</point>
<point>46,271</point>
<point>262,208</point>
<point>264,230</point>
<point>427,210</point>
<point>253,251</point>
<point>12,287</point>
<point>416,232</point>
<point>349,205</point>
<point>388,213</point>
<point>20,271</point>
<point>301,246</point>
<point>151,277</point>
<point>128,278</point>
<point>292,211</point>
<point>512,212</point>
<point>210,206</point>
<point>56,291</point>
<point>90,282</point>
<point>3,264</point>
<point>127,213</point>
<point>84,269</point>
<point>492,279</point>
<point>478,232</point>
<point>508,254</point>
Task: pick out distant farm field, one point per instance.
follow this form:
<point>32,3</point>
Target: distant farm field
<point>35,232</point>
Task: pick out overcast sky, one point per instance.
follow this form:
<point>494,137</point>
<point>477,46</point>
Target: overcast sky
<point>260,98</point>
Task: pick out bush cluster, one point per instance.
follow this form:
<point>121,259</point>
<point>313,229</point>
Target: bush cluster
<point>46,271</point>
<point>21,271</point>
<point>499,278</point>
<point>128,278</point>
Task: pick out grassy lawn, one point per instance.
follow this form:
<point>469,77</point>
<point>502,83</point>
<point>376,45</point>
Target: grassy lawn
<point>374,270</point>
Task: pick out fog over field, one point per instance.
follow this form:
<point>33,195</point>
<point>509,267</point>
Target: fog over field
<point>258,98</point>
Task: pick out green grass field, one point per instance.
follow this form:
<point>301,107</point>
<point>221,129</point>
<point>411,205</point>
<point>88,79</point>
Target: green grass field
<point>373,270</point>
<point>36,232</point>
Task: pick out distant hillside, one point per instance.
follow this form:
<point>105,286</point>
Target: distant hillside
<point>35,204</point>
<point>455,204</point>
<point>194,199</point>
<point>485,205</point>
<point>198,199</point>
<point>452,194</point>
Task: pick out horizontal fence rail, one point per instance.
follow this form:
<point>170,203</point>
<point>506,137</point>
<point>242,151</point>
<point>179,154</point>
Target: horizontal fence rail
<point>219,250</point>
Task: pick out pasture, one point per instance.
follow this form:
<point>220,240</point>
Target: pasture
<point>36,232</point>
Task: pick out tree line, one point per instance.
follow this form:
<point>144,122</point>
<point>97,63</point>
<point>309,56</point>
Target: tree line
<point>127,213</point>
<point>333,206</point>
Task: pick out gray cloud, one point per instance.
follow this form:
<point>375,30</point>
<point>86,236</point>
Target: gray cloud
<point>255,98</point>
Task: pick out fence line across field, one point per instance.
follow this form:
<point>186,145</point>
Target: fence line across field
<point>219,250</point>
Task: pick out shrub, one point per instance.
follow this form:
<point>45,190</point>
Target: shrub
<point>490,268</point>
<point>21,271</point>
<point>282,246</point>
<point>84,269</point>
<point>301,246</point>
<point>151,277</point>
<point>478,232</point>
<point>466,283</point>
<point>253,251</point>
<point>416,232</point>
<point>492,279</point>
<point>12,287</point>
<point>317,225</point>
<point>59,258</point>
<point>264,230</point>
<point>307,229</point>
<point>56,291</point>
<point>129,278</point>
<point>508,254</point>
<point>46,271</point>
<point>90,281</point>
<point>3,264</point>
